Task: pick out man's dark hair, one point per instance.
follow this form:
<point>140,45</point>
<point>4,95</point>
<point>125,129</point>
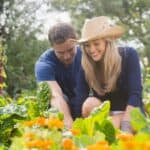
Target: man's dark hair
<point>60,32</point>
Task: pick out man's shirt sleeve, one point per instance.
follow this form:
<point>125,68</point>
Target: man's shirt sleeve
<point>44,71</point>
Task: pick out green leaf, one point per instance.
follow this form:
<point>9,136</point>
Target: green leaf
<point>43,95</point>
<point>147,107</point>
<point>138,120</point>
<point>98,136</point>
<point>3,102</point>
<point>101,113</point>
<point>142,137</point>
<point>19,110</point>
<point>32,109</point>
<point>79,124</point>
<point>83,140</point>
<point>3,147</point>
<point>89,125</point>
<point>108,129</point>
<point>18,143</point>
<point>86,125</point>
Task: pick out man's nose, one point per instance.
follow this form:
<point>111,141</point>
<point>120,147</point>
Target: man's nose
<point>67,55</point>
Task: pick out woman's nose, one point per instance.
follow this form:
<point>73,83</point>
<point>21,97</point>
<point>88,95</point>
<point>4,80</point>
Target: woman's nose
<point>92,48</point>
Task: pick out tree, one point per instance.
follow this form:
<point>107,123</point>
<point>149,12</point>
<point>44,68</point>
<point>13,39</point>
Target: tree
<point>15,14</point>
<point>18,30</point>
<point>134,14</point>
<point>22,53</point>
<point>2,70</point>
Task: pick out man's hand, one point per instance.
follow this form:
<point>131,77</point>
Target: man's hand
<point>60,103</point>
<point>68,122</point>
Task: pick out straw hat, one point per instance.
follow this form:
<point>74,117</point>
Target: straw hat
<point>100,27</point>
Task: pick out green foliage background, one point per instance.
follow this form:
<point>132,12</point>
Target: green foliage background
<point>19,29</point>
<point>22,54</point>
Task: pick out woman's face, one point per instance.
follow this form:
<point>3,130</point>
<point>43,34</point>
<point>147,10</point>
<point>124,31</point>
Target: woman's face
<point>95,48</point>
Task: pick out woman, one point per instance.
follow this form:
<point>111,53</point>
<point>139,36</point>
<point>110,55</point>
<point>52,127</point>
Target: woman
<point>110,72</point>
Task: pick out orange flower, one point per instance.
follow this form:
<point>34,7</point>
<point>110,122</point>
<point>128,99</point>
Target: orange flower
<point>75,131</point>
<point>140,145</point>
<point>98,147</point>
<point>59,124</point>
<point>130,145</point>
<point>147,145</point>
<point>29,136</point>
<point>29,123</point>
<point>67,144</point>
<point>31,144</point>
<point>101,145</point>
<point>125,136</point>
<point>54,123</point>
<point>44,144</point>
<point>39,143</point>
<point>40,121</point>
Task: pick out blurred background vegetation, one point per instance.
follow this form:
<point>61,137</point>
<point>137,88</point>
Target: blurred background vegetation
<point>21,45</point>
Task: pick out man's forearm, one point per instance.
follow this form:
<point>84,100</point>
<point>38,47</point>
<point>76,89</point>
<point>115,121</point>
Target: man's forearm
<point>62,106</point>
<point>59,102</point>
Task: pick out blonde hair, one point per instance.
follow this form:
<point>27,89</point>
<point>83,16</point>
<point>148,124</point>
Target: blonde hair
<point>102,76</point>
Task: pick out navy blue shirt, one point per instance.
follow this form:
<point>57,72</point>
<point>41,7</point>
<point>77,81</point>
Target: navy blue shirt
<point>49,68</point>
<point>129,86</point>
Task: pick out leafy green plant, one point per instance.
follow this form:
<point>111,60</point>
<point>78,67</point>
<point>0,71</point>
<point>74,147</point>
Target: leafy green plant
<point>24,108</point>
<point>43,95</point>
<point>98,121</point>
<point>146,90</point>
<point>140,123</point>
<point>4,100</point>
<point>9,116</point>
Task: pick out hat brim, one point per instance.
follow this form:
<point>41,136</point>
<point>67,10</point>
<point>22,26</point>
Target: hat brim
<point>112,32</point>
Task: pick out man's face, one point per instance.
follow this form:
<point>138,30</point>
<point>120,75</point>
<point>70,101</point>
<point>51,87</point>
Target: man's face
<point>66,51</point>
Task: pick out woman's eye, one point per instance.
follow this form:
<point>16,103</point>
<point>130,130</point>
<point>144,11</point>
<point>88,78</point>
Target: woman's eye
<point>86,46</point>
<point>96,44</point>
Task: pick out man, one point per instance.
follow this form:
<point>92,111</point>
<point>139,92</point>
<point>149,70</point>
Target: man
<point>59,67</point>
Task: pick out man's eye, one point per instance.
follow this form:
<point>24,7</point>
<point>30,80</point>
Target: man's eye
<point>70,50</point>
<point>60,53</point>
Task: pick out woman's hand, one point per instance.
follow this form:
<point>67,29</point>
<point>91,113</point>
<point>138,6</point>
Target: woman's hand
<point>126,126</point>
<point>125,123</point>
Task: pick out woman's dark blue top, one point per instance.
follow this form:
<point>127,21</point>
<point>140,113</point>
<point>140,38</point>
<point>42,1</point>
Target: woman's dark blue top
<point>129,85</point>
